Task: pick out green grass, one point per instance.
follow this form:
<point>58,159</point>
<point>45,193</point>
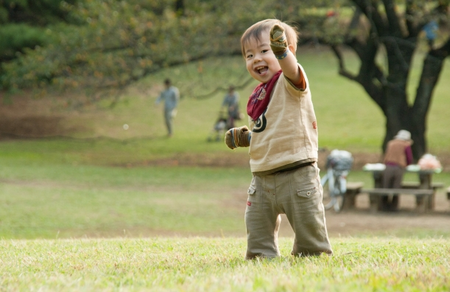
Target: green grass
<point>65,201</point>
<point>49,201</point>
<point>207,264</point>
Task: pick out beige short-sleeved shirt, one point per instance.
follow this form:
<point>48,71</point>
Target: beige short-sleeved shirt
<point>286,133</point>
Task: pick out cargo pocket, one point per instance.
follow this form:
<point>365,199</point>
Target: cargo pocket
<point>307,193</point>
<point>252,188</point>
<point>251,195</point>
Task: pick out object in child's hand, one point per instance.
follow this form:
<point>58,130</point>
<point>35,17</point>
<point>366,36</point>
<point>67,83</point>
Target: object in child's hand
<point>238,137</point>
<point>278,41</point>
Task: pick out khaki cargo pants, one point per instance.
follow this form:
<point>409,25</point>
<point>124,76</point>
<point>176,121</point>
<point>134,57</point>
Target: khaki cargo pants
<point>296,193</point>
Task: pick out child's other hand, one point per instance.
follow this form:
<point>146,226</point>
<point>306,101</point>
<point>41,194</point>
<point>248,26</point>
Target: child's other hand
<point>238,137</point>
<point>278,40</point>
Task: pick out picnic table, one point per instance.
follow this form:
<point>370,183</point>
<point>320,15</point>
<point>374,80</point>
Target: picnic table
<point>424,189</point>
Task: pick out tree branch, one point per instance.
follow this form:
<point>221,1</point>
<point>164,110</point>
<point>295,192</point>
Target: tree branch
<point>442,52</point>
<point>372,14</point>
<point>432,67</point>
<point>354,23</point>
<point>394,43</point>
<point>342,70</point>
<point>369,72</point>
<point>220,88</point>
<point>413,30</point>
<point>393,20</point>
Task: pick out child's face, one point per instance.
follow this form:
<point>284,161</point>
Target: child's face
<point>260,60</point>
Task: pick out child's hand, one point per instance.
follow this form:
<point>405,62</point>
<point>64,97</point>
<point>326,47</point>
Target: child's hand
<point>278,40</point>
<point>238,137</point>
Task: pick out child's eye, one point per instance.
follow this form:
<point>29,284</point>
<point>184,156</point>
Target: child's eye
<point>264,51</point>
<point>249,56</point>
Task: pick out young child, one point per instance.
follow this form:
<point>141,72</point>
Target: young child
<point>283,146</point>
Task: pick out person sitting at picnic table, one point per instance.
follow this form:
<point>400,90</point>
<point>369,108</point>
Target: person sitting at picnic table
<point>398,155</point>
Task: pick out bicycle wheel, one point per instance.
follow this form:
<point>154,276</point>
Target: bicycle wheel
<point>328,201</point>
<point>338,197</point>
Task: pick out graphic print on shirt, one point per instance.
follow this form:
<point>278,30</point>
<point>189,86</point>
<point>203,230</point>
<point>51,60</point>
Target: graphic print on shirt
<point>260,123</point>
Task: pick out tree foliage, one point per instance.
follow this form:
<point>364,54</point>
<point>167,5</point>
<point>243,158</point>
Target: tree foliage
<point>16,37</point>
<point>35,12</point>
<point>23,24</point>
<point>124,41</point>
<point>121,42</point>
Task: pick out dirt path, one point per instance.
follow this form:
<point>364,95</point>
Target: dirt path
<point>405,221</point>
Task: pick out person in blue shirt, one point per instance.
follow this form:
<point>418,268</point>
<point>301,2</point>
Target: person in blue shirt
<point>171,96</point>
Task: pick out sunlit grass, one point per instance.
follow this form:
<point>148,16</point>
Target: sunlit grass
<point>206,264</point>
<point>44,200</point>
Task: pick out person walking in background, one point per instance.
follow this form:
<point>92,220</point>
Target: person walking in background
<point>171,96</point>
<point>283,146</point>
<point>231,105</point>
<point>398,155</point>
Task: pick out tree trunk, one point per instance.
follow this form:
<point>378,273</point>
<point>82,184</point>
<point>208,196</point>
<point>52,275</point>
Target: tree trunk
<point>431,71</point>
<point>395,105</point>
<point>400,115</point>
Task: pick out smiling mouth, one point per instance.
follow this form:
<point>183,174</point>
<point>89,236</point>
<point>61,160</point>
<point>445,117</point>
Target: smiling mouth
<point>261,69</point>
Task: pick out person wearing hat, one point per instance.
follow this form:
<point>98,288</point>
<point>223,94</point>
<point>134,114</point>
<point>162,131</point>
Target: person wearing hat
<point>398,155</point>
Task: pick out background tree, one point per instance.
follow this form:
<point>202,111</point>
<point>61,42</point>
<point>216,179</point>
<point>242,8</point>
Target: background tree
<point>393,29</point>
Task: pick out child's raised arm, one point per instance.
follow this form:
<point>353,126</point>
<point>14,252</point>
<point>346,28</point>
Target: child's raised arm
<point>284,53</point>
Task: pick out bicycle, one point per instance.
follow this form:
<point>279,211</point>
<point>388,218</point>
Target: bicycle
<point>334,182</point>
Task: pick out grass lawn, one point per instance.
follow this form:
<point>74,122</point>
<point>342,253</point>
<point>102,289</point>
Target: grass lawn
<point>216,264</point>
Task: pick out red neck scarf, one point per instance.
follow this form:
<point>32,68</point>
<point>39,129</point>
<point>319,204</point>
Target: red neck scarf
<point>259,99</point>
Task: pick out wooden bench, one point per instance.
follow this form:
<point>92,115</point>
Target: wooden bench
<point>415,185</point>
<point>375,197</point>
<point>430,199</point>
<point>353,189</point>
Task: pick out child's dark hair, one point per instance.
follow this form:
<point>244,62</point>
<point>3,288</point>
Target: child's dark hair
<point>255,31</point>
